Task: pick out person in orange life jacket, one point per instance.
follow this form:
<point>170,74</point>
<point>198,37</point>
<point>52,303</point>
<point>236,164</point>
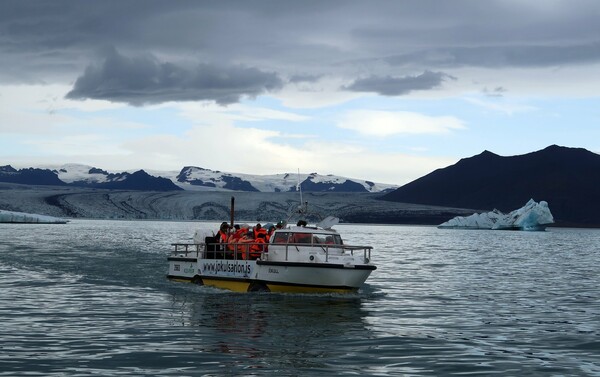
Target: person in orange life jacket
<point>248,237</point>
<point>258,229</point>
<point>222,234</point>
<point>230,235</point>
<point>236,236</point>
<point>260,237</point>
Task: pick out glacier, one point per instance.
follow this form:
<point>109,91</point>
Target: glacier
<point>193,178</point>
<point>531,217</point>
<point>85,203</point>
<point>29,218</point>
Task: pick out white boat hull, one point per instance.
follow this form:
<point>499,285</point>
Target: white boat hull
<point>297,259</point>
<point>253,275</point>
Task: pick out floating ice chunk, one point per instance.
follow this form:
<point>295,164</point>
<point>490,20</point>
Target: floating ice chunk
<point>22,217</point>
<point>533,216</point>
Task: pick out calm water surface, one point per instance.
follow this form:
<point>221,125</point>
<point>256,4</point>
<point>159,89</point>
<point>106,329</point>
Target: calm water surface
<point>91,298</point>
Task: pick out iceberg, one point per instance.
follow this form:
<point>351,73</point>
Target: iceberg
<point>533,216</point>
<point>29,218</point>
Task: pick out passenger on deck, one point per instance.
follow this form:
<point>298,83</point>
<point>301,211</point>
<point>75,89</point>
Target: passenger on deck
<point>261,237</point>
<point>270,231</point>
<point>247,237</point>
<point>258,230</point>
<point>223,233</point>
<point>237,235</point>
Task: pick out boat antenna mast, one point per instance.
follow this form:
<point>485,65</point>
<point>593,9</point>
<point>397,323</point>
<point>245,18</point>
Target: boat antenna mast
<point>303,207</point>
<point>302,210</point>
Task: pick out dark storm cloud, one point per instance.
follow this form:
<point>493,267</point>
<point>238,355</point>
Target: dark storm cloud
<point>55,41</point>
<point>144,80</point>
<point>396,86</point>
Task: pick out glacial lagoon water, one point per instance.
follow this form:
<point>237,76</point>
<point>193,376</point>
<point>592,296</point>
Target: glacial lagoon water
<point>91,298</point>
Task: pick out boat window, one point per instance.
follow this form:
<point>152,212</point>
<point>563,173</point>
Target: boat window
<point>302,238</point>
<point>328,239</point>
<point>320,238</point>
<point>281,237</point>
<point>316,238</point>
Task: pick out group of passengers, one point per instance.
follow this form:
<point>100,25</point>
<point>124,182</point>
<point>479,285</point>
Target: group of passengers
<point>249,242</point>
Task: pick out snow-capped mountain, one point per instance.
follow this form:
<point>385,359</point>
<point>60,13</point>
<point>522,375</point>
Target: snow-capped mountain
<point>192,177</point>
<point>198,179</point>
<point>29,176</point>
<point>87,176</point>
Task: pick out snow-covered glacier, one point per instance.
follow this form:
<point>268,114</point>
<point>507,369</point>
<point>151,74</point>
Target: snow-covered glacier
<point>532,216</point>
<point>22,217</point>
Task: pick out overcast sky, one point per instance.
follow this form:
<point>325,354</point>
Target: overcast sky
<point>380,90</point>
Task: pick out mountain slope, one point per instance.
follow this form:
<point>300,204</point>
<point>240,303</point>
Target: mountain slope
<point>567,178</point>
<point>77,202</point>
<point>195,178</point>
<point>29,176</point>
<point>85,176</point>
<point>189,178</point>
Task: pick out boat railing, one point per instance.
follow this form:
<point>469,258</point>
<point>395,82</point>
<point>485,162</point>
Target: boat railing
<point>188,249</point>
<point>235,251</point>
<point>243,251</point>
<point>366,250</point>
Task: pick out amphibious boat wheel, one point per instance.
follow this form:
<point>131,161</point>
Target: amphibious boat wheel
<point>258,287</point>
<point>197,280</point>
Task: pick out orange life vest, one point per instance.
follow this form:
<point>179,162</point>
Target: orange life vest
<point>234,238</point>
<point>244,249</point>
<point>222,236</point>
<point>258,247</point>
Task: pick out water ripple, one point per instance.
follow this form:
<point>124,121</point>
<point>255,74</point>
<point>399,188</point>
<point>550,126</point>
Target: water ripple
<point>91,298</point>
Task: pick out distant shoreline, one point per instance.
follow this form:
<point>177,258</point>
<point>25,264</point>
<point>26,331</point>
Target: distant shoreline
<point>96,204</point>
<point>83,203</point>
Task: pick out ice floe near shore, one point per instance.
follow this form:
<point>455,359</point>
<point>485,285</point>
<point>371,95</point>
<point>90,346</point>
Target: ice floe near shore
<point>28,218</point>
<point>533,216</point>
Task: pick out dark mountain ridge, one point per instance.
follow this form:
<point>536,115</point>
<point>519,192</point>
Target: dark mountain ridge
<point>139,180</point>
<point>29,176</point>
<point>189,178</point>
<point>567,178</point>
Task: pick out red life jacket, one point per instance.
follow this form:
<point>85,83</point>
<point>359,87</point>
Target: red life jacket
<point>222,236</point>
<point>244,248</point>
<point>234,238</point>
<point>260,245</point>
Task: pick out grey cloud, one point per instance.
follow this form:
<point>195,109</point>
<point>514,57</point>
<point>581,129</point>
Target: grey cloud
<point>396,86</point>
<point>304,78</point>
<point>496,92</point>
<point>502,56</point>
<point>53,41</point>
<point>143,80</point>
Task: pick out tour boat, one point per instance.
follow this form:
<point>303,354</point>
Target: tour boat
<point>297,259</point>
